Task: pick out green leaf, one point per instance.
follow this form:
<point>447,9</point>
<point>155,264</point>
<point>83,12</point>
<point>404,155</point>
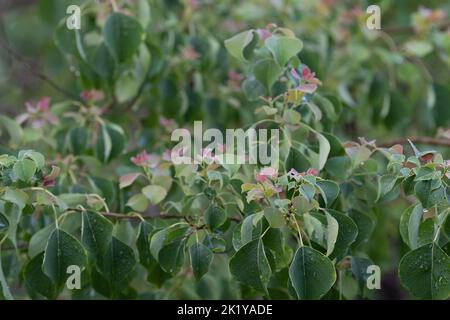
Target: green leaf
<point>326,106</point>
<point>274,217</point>
<point>16,196</point>
<point>336,148</point>
<point>155,274</point>
<point>6,160</point>
<point>124,231</point>
<point>332,232</point>
<point>104,145</point>
<point>66,41</point>
<point>36,280</point>
<point>359,267</point>
<point>96,233</point>
<point>100,284</point>
<point>122,35</point>
<point>311,273</point>
<point>39,240</point>
<point>144,13</point>
<point>214,243</point>
<point>426,232</point>
<point>274,242</point>
<point>425,272</point>
<point>171,256</point>
<point>253,89</point>
<point>441,111</point>
<point>348,231</point>
<point>13,128</point>
<point>13,213</point>
<point>103,62</point>
<point>339,167</point>
<point>296,160</point>
<point>25,169</point>
<point>250,266</point>
<point>158,239</point>
<point>365,223</point>
<point>283,48</point>
<point>78,139</point>
<point>292,117</point>
<point>62,251</point>
<point>201,258</point>
<point>215,217</point>
<point>118,140</point>
<point>267,72</point>
<point>118,262</point>
<point>427,195</point>
<point>302,205</point>
<point>104,188</point>
<point>237,44</point>
<point>5,291</point>
<point>143,244</point>
<point>308,191</point>
<point>127,179</point>
<point>138,202</point>
<point>385,185</point>
<point>4,224</point>
<point>38,158</point>
<point>409,225</point>
<point>329,190</point>
<point>155,194</point>
<point>314,109</point>
<point>315,227</point>
<point>324,150</point>
<point>418,48</point>
<point>249,230</point>
<point>165,236</point>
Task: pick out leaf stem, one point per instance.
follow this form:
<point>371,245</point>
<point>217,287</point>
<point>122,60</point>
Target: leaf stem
<point>299,232</point>
<point>438,231</point>
<point>5,287</point>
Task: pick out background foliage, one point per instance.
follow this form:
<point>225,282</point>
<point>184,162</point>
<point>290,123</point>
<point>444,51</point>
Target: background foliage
<point>86,118</point>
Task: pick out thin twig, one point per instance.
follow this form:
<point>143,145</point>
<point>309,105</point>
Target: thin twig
<point>120,216</point>
<point>410,29</point>
<point>20,246</point>
<point>6,5</point>
<point>421,140</point>
<point>36,72</point>
<point>123,216</point>
<point>138,94</point>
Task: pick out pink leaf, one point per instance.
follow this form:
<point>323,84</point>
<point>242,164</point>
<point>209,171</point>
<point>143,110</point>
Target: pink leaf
<point>307,88</point>
<point>128,179</point>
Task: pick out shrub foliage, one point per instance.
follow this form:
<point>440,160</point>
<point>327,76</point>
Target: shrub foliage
<point>87,180</point>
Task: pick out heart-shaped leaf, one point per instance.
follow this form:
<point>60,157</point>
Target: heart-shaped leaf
<point>250,266</point>
<point>312,274</point>
<point>425,272</point>
<point>283,48</point>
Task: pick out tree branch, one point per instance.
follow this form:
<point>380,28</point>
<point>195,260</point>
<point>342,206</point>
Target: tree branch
<point>420,140</point>
<point>37,73</point>
<point>6,5</point>
<point>123,216</point>
<point>410,29</point>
